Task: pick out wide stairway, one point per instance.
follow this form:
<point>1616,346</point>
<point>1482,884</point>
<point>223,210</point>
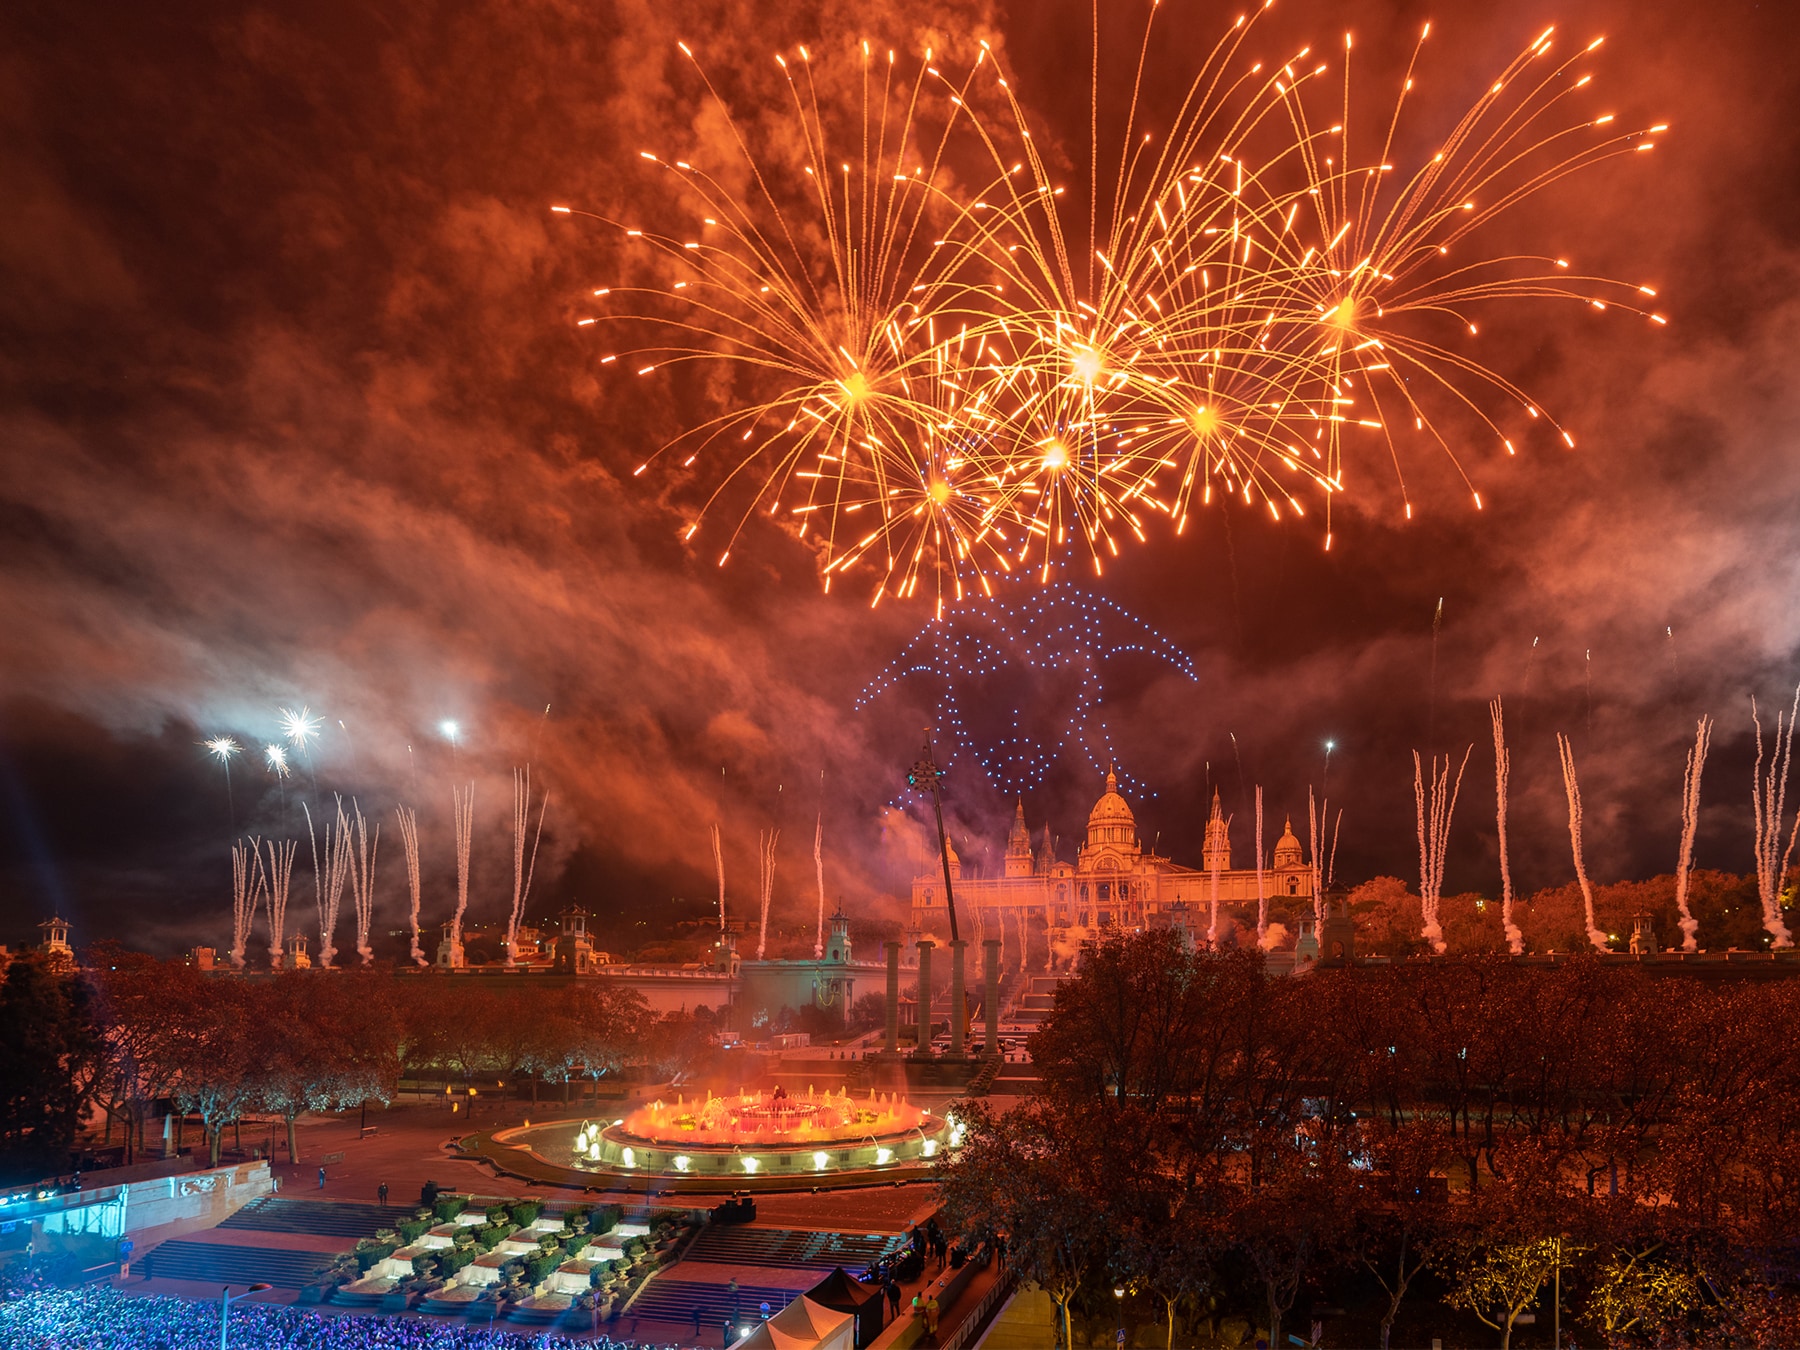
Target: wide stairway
<point>320,1218</point>
<point>221,1263</point>
<point>674,1301</point>
<point>1035,1003</point>
<point>788,1249</point>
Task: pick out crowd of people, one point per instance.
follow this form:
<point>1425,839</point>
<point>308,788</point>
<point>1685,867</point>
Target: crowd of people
<point>99,1317</point>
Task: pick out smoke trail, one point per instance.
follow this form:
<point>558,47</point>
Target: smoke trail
<point>1573,789</point>
<point>1515,940</point>
<point>409,840</point>
<point>719,862</point>
<point>1262,897</point>
<point>246,894</point>
<point>462,805</point>
<point>361,866</point>
<point>1435,810</point>
<point>1768,797</point>
<point>281,876</point>
<point>1690,823</point>
<point>328,883</point>
<point>1314,814</point>
<point>766,849</point>
<point>522,873</point>
<point>1212,865</point>
<point>819,867</point>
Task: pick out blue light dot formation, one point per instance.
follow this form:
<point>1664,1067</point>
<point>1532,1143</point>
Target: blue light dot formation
<point>1052,627</point>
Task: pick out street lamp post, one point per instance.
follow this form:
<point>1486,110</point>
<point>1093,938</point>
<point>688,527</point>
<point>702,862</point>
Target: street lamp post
<point>226,1299</point>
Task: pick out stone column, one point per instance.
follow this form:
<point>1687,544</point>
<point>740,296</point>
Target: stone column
<point>893,997</point>
<point>990,998</point>
<point>923,1016</point>
<point>959,1008</point>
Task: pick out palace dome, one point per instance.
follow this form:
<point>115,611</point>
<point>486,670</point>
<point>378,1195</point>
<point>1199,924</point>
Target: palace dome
<point>1111,821</point>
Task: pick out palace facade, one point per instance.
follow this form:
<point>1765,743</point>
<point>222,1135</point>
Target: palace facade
<point>1114,882</point>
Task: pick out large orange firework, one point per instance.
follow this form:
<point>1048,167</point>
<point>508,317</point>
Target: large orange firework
<point>935,382</point>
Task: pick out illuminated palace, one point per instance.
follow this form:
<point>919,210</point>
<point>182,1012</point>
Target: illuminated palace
<point>1114,882</point>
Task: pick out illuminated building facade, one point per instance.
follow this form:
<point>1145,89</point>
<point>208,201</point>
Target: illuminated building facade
<point>1114,882</point>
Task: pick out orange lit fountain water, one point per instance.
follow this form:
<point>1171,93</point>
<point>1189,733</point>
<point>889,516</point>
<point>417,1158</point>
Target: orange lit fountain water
<point>766,1134</point>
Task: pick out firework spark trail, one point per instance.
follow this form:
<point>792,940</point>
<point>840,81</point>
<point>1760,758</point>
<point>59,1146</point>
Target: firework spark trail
<point>522,871</point>
<point>360,863</point>
<point>1515,939</point>
<point>1768,797</point>
<point>819,868</point>
<point>462,803</point>
<point>1435,810</point>
<point>222,748</point>
<point>1573,790</point>
<point>765,883</point>
<point>1690,824</point>
<point>281,876</point>
<point>1331,862</point>
<point>408,820</point>
<point>246,895</point>
<point>719,863</point>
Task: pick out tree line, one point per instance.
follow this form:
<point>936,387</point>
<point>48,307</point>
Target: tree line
<point>125,1036</point>
<point>1213,1141</point>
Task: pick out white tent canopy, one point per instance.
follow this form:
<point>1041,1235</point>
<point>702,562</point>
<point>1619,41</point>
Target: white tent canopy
<point>802,1325</point>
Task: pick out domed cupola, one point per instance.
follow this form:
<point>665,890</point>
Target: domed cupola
<point>1111,821</point>
<point>1287,848</point>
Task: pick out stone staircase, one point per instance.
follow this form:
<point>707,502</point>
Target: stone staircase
<point>222,1263</point>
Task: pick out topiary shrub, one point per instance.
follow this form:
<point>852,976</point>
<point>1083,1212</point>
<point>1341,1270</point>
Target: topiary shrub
<point>499,1213</point>
<point>449,1206</point>
<point>577,1244</point>
<point>411,1230</point>
<point>525,1212</point>
<point>487,1236</point>
<point>540,1268</point>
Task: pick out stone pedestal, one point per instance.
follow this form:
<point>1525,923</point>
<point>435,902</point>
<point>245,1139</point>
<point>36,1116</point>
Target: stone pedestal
<point>959,1008</point>
<point>922,1015</point>
<point>892,1042</point>
<point>990,993</point>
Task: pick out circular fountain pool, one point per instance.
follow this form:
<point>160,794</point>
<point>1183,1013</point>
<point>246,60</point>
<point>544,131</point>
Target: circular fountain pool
<point>809,1137</point>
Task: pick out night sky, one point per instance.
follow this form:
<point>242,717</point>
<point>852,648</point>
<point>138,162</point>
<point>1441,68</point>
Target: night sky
<point>293,410</point>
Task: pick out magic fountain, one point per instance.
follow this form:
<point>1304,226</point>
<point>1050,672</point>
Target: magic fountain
<point>761,1134</point>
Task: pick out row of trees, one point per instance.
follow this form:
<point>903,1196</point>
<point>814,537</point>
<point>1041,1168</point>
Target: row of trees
<point>125,1035</point>
<point>1220,1139</point>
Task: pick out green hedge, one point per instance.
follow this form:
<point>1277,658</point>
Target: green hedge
<point>367,1256</point>
<point>411,1230</point>
<point>539,1268</point>
<point>605,1219</point>
<point>576,1244</point>
<point>452,1259</point>
<point>498,1213</point>
<point>449,1206</point>
<point>526,1212</point>
<point>487,1236</point>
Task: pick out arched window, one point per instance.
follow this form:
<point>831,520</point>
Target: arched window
<point>1293,885</point>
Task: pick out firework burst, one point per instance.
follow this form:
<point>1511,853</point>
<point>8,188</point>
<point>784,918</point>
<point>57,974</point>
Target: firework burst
<point>935,375</point>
